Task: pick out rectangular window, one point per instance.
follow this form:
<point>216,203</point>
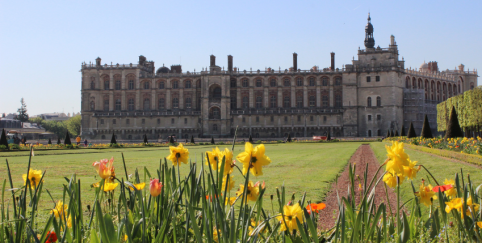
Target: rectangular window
<point>143,121</point>
<point>369,118</point>
<point>286,118</point>
<point>101,121</point>
<point>244,119</point>
<point>377,78</point>
<point>272,118</point>
<point>114,121</point>
<point>172,121</point>
<point>379,117</point>
<point>299,118</point>
<point>368,78</point>
<point>324,119</point>
<point>128,121</point>
<point>158,121</point>
<point>311,118</point>
<point>185,120</point>
<point>257,118</point>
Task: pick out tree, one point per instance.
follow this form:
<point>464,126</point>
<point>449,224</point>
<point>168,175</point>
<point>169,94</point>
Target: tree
<point>250,139</point>
<point>328,138</point>
<point>192,139</point>
<point>171,139</point>
<point>113,140</point>
<point>22,112</point>
<point>289,138</point>
<point>145,139</point>
<point>73,125</point>
<point>426,131</point>
<point>58,141</point>
<point>67,139</point>
<point>50,142</point>
<point>403,132</point>
<point>212,140</point>
<point>391,133</point>
<point>3,139</point>
<point>388,133</point>
<point>396,133</point>
<point>453,128</point>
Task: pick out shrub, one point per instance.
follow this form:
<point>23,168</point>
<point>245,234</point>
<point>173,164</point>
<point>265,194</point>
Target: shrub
<point>258,142</point>
<point>14,146</point>
<point>3,147</point>
<point>220,143</point>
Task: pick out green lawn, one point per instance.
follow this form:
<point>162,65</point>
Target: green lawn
<point>302,167</point>
<point>439,167</point>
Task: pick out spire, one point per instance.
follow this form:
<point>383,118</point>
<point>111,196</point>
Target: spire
<point>369,40</point>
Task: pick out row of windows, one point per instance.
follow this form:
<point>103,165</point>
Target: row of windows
<point>379,101</point>
<point>146,85</point>
<point>286,82</point>
<point>285,119</point>
<point>143,121</point>
<point>369,78</point>
<point>146,104</point>
<point>369,117</point>
<point>273,102</point>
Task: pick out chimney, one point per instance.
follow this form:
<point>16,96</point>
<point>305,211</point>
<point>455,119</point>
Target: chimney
<point>97,61</point>
<point>230,63</point>
<point>332,61</point>
<point>142,59</point>
<point>213,61</point>
<point>295,62</point>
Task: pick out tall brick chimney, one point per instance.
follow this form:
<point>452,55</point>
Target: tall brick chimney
<point>230,63</point>
<point>213,61</point>
<point>332,61</point>
<point>295,62</point>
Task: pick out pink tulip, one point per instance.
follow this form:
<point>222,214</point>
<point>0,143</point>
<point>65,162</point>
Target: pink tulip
<point>105,168</point>
<point>155,187</point>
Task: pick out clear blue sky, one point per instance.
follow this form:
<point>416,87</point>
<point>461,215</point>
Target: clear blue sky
<point>43,43</point>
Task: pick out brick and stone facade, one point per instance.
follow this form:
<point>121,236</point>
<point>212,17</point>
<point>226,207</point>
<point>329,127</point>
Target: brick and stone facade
<point>373,94</point>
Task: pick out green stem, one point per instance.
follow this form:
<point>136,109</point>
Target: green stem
<point>398,207</point>
<point>430,175</point>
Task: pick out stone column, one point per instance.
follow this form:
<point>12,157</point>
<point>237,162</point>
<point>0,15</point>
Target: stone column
<point>251,98</point>
<point>266,98</point>
<point>332,98</point>
<point>280,98</point>
<point>153,100</point>
<point>181,99</point>
<point>318,97</point>
<point>305,97</point>
<point>293,97</point>
<point>123,91</point>
<point>168,98</point>
<point>138,92</point>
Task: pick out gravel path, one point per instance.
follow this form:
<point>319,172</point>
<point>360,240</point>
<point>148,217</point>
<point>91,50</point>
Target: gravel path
<point>363,156</point>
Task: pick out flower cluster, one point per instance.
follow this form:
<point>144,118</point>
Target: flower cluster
<point>399,165</point>
<point>462,145</point>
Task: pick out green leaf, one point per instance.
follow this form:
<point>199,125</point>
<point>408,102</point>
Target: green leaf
<point>101,223</point>
<point>109,226</point>
<point>405,235</point>
<point>93,236</point>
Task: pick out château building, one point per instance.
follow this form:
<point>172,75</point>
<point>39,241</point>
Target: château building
<point>373,94</point>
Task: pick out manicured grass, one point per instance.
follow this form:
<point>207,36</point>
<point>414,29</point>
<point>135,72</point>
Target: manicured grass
<point>439,167</point>
<point>301,167</point>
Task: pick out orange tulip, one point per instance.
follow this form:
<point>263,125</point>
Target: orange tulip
<point>315,207</point>
<point>155,187</point>
<point>105,168</point>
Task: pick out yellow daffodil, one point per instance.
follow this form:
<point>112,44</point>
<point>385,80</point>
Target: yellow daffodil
<point>452,192</point>
<point>426,194</point>
<point>254,156</point>
<point>474,207</point>
<point>479,224</point>
<point>411,170</point>
<point>34,177</point>
<point>69,221</point>
<point>252,192</point>
<point>230,201</point>
<point>230,183</point>
<point>178,154</point>
<point>255,224</point>
<point>138,186</point>
<point>397,158</point>
<point>105,168</point>
<point>455,203</point>
<point>214,158</point>
<point>391,180</point>
<point>60,209</point>
<point>228,161</point>
<point>215,235</point>
<point>109,186</point>
<point>124,238</point>
<point>291,213</point>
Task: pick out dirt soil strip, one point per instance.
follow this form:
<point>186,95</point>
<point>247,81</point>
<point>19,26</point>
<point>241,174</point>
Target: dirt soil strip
<point>364,155</point>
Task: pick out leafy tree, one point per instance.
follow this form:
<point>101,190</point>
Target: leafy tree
<point>145,139</point>
<point>67,139</point>
<point>403,131</point>
<point>289,138</point>
<point>58,141</point>
<point>113,140</point>
<point>3,139</point>
<point>426,131</point>
<point>192,139</point>
<point>250,139</point>
<point>328,138</point>
<point>50,142</point>
<point>453,128</point>
<point>212,139</point>
<point>388,133</point>
<point>171,139</point>
<point>22,112</point>
<point>73,125</point>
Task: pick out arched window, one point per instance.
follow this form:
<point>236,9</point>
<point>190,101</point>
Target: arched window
<point>233,102</point>
<point>407,83</point>
<point>146,85</point>
<point>217,92</point>
<point>161,85</point>
<point>272,82</point>
<point>147,104</point>
<point>175,84</point>
<point>188,102</point>
<point>324,81</point>
<point>312,81</point>
<point>106,84</point>
<point>299,101</point>
<point>215,113</point>
<point>338,81</point>
<point>131,85</point>
<point>369,102</point>
<point>414,84</point>
<point>259,83</point>
<point>92,85</point>
<point>131,104</point>
<point>245,102</point>
<point>118,104</point>
<point>338,101</point>
<point>312,101</point>
<point>175,102</point>
<point>299,81</point>
<point>187,84</point>
<point>325,101</point>
<point>117,84</point>
<point>245,83</point>
<point>273,101</point>
<point>92,105</point>
<point>198,84</point>
<point>215,127</point>
<point>106,105</point>
<point>233,83</point>
<point>379,101</point>
<point>286,102</point>
<point>259,102</point>
<point>162,103</point>
<point>287,82</point>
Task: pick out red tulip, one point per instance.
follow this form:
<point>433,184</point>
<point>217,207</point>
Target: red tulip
<point>155,187</point>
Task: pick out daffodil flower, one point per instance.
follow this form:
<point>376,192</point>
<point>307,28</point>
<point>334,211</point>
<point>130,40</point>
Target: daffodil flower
<point>253,159</point>
<point>291,213</point>
<point>34,177</point>
<point>178,154</point>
